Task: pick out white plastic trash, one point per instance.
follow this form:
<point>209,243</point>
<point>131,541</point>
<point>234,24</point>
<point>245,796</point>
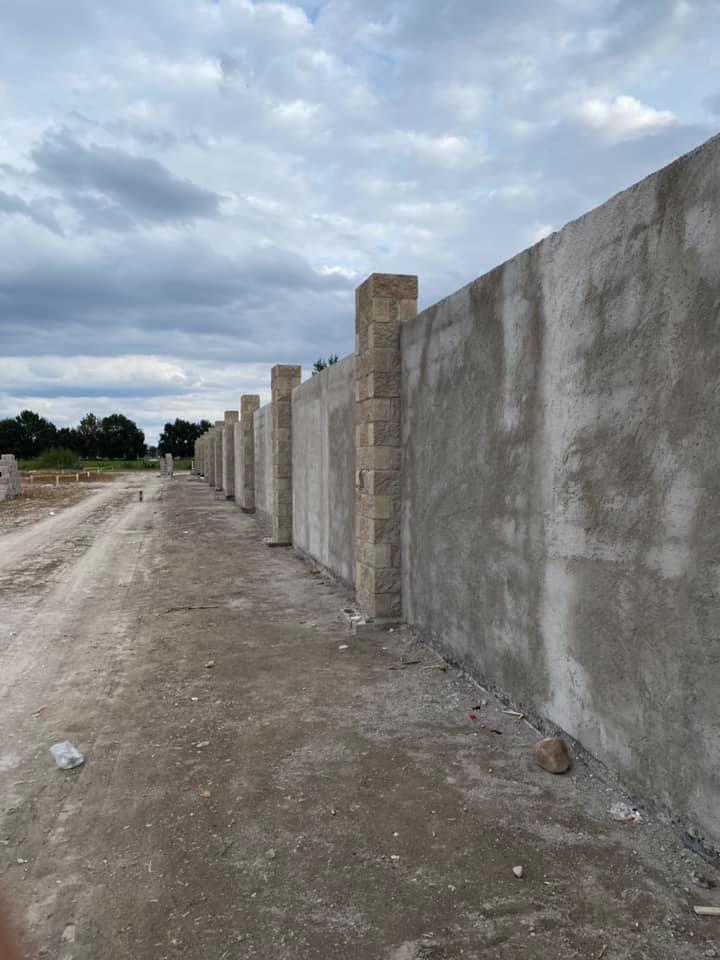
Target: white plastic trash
<point>66,755</point>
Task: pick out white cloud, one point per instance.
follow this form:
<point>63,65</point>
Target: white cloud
<point>623,117</point>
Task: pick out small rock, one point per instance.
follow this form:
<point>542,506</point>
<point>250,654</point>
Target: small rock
<point>702,881</point>
<point>519,872</point>
<point>551,754</point>
<point>201,744</point>
<point>271,854</point>
<point>711,952</point>
<point>210,663</point>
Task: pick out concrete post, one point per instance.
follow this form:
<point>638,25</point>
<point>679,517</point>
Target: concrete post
<point>163,465</point>
<point>9,477</point>
<point>210,472</point>
<point>382,303</point>
<point>284,379</point>
<point>228,461</point>
<point>217,468</point>
<point>203,455</point>
<point>168,464</point>
<point>245,453</point>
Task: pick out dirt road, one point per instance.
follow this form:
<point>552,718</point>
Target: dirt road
<point>251,789</point>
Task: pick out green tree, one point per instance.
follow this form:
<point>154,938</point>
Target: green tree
<point>35,434</point>
<point>68,438</point>
<point>321,364</point>
<point>89,434</point>
<point>179,438</point>
<point>9,436</point>
<point>120,438</point>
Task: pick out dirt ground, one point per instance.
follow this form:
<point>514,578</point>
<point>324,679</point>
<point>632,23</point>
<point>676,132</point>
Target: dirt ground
<point>253,790</point>
<point>39,499</point>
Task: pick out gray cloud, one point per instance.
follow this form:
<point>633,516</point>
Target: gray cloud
<point>139,187</point>
<point>11,204</point>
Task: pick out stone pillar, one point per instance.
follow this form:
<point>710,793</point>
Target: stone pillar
<point>217,468</point>
<point>284,378</point>
<point>203,454</point>
<point>210,472</point>
<point>195,465</point>
<point>382,303</point>
<point>228,461</point>
<point>9,477</point>
<point>245,453</point>
<point>168,464</point>
<point>163,465</point>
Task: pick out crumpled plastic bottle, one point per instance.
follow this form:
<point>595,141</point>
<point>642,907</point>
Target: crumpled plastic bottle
<point>66,755</point>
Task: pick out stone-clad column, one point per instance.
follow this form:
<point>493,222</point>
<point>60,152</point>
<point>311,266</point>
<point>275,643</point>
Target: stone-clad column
<point>382,303</point>
<point>210,472</point>
<point>245,453</point>
<point>9,477</point>
<point>284,379</point>
<point>228,456</point>
<point>217,467</point>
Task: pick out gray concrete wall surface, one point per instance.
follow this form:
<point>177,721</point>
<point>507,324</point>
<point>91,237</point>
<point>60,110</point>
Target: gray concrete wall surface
<point>263,466</point>
<point>561,482</point>
<point>323,451</point>
<point>237,464</point>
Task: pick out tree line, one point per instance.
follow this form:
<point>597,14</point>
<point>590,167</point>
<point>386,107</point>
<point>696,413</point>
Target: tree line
<point>115,437</point>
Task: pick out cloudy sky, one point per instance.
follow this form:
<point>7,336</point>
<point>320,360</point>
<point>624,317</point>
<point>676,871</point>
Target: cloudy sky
<point>190,190</point>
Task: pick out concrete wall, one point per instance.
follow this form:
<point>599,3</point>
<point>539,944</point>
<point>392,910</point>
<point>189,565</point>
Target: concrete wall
<point>263,466</point>
<point>323,452</point>
<point>561,481</point>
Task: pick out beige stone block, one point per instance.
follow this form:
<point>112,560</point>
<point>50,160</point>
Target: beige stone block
<point>384,336</point>
<point>362,527</point>
<point>362,301</point>
<point>361,389</point>
<point>374,409</point>
<point>284,377</point>
<point>386,580</point>
<point>249,403</point>
<point>394,286</point>
<point>383,385</point>
<point>382,360</point>
<point>378,458</point>
<point>283,495</point>
<point>386,606</point>
<point>383,531</point>
<point>383,482</point>
<point>281,451</point>
<point>376,508</point>
<point>380,311</point>
<point>373,554</point>
<point>407,310</point>
<point>385,433</point>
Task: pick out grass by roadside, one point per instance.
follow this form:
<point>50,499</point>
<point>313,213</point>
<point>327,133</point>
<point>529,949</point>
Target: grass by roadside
<point>48,463</point>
